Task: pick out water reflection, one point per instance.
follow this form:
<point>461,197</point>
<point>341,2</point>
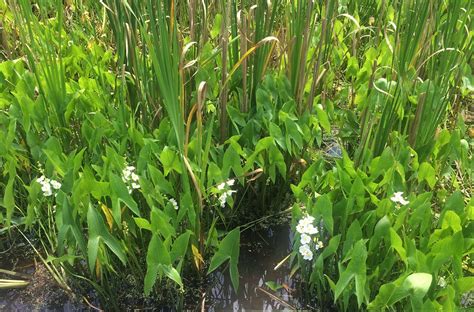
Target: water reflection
<point>260,252</point>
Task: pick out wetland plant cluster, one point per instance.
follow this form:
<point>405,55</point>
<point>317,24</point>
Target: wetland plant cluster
<point>139,138</point>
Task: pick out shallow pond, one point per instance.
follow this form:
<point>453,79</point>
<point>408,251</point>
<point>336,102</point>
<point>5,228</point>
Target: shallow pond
<point>261,250</point>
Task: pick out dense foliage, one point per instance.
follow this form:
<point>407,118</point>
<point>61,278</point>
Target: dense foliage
<point>138,137</point>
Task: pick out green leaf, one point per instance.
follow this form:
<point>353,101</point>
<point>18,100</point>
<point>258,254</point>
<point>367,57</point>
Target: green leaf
<point>293,132</point>
<point>356,196</point>
<point>277,134</point>
<point>180,246</point>
<point>353,234</point>
<point>143,223</point>
<point>276,160</point>
<point>158,260</point>
<point>397,244</point>
<point>231,161</point>
<point>356,270</point>
<point>160,181</point>
<point>329,250</point>
<point>427,173</point>
<point>388,295</point>
<point>352,67</point>
<point>170,161</point>
<point>382,229</point>
<point>161,223</point>
<point>451,220</point>
<point>324,207</point>
<point>9,199</point>
<point>464,284</point>
<point>55,159</point>
<point>172,274</point>
<point>98,233</point>
<point>229,249</point>
<point>216,28</point>
<point>70,224</point>
<point>273,286</point>
<point>323,119</point>
<point>418,284</point>
<point>455,203</point>
<point>120,194</point>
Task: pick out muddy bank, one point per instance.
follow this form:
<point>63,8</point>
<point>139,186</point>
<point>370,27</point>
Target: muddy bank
<point>42,292</point>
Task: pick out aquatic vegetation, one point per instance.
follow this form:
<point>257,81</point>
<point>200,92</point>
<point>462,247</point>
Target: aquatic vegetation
<point>141,138</point>
<point>377,256</point>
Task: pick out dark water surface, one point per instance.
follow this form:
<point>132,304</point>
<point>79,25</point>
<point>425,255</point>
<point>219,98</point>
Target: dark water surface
<point>260,252</point>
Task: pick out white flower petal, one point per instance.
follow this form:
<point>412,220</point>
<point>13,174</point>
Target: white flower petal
<point>55,184</point>
<point>222,200</point>
<point>174,203</point>
<point>397,197</point>
<point>300,228</point>
<point>310,229</point>
<point>404,202</point>
<point>305,239</point>
<point>46,188</point>
<point>306,252</point>
<point>134,177</point>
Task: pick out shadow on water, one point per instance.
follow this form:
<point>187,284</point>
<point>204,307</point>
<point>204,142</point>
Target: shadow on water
<point>261,250</point>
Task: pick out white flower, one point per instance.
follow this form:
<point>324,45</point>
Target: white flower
<point>222,200</point>
<point>307,220</point>
<point>55,184</point>
<point>230,182</point>
<point>128,172</point>
<point>398,198</point>
<point>174,203</point>
<point>300,228</point>
<point>305,226</point>
<point>47,185</point>
<point>221,186</point>
<point>305,239</point>
<point>306,252</point>
<point>126,175</point>
<point>442,282</point>
<point>134,177</point>
<point>223,197</point>
<point>129,175</point>
<point>46,188</point>
<point>310,229</point>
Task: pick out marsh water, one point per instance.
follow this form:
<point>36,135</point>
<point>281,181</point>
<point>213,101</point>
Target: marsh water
<point>261,250</point>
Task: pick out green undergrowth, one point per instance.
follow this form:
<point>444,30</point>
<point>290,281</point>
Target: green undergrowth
<point>139,138</point>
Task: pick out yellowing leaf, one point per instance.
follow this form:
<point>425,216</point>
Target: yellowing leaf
<point>108,215</point>
<point>198,259</point>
